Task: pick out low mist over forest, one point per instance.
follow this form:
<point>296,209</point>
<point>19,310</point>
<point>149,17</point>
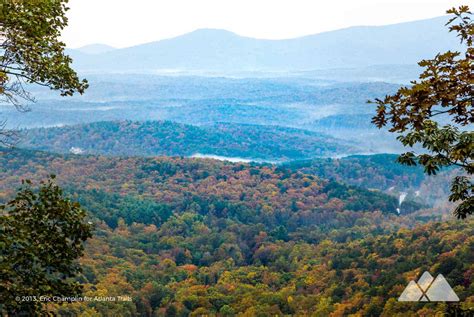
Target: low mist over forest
<point>213,174</point>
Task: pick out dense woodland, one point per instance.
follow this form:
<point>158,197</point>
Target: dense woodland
<point>240,190</point>
<point>380,171</point>
<point>187,267</point>
<point>193,237</point>
<point>299,235</point>
<point>154,138</point>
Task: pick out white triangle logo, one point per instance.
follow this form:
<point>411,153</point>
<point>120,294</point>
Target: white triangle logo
<point>440,291</point>
<point>429,289</point>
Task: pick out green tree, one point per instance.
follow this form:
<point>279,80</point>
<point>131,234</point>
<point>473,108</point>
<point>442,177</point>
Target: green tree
<point>41,236</point>
<point>31,52</point>
<point>444,92</point>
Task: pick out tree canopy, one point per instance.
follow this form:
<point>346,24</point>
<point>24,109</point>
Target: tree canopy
<point>41,237</point>
<point>195,237</point>
<point>31,52</point>
<point>41,233</point>
<point>444,93</point>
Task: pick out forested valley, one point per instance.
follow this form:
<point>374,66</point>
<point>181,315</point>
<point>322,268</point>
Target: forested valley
<point>188,236</point>
<point>214,174</point>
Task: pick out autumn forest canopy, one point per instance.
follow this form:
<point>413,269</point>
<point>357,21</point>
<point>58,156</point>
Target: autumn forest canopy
<point>247,179</point>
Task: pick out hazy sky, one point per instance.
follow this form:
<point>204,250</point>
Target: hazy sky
<point>122,23</point>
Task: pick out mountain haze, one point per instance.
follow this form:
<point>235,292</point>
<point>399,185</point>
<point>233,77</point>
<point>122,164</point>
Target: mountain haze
<point>95,49</point>
<point>223,51</point>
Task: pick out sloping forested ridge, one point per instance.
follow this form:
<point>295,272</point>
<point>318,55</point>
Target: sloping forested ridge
<point>193,237</point>
<point>242,190</point>
<point>152,138</point>
<point>380,171</point>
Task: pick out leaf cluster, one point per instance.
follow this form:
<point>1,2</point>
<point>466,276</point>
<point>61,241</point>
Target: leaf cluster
<point>31,49</point>
<point>41,237</point>
<point>445,92</point>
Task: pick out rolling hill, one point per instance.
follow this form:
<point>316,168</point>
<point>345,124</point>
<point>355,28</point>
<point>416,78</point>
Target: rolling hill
<point>203,237</point>
<point>153,138</point>
<point>244,188</point>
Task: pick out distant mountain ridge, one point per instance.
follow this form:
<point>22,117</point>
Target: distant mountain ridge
<point>224,51</point>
